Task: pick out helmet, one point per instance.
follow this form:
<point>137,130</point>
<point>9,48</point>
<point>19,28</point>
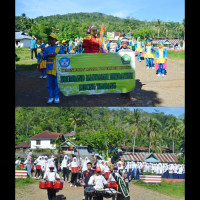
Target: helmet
<point>98,169</point>
<point>115,167</point>
<point>53,35</point>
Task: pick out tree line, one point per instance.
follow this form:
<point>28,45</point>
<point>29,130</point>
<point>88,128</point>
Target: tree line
<point>74,25</point>
<point>103,129</point>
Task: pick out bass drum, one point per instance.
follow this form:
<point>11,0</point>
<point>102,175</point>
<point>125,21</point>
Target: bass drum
<point>58,185</point>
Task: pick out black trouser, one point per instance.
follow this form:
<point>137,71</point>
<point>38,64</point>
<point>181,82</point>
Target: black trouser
<point>64,172</point>
<point>35,50</point>
<point>74,178</point>
<point>51,193</point>
<point>38,171</point>
<point>67,174</point>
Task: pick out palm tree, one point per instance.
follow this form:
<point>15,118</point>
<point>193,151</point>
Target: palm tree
<point>158,27</point>
<point>136,121</point>
<point>74,120</point>
<point>173,127</point>
<point>153,127</point>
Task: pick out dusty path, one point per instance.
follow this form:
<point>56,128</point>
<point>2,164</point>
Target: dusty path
<point>150,90</point>
<point>32,192</point>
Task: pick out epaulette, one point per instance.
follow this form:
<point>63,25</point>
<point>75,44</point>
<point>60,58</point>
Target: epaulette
<point>87,37</point>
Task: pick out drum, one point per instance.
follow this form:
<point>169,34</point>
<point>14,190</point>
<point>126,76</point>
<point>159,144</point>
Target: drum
<point>112,184</point>
<point>38,166</point>
<point>43,185</point>
<point>21,165</point>
<point>75,169</point>
<point>58,185</point>
<point>49,184</point>
<point>102,172</point>
<point>89,191</point>
<point>99,191</point>
<point>110,192</point>
<point>107,174</point>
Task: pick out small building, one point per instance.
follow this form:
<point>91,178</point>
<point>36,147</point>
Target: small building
<point>22,147</point>
<point>22,40</point>
<point>44,140</point>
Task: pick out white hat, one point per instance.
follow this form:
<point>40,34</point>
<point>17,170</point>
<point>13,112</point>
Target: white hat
<point>124,40</point>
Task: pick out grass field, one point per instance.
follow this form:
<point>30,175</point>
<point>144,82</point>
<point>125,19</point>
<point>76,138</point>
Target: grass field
<point>171,189</point>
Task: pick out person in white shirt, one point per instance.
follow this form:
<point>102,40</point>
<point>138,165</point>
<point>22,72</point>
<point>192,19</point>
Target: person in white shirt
<point>51,176</point>
<point>97,181</point>
<point>73,164</point>
<point>43,166</point>
<point>18,161</point>
<point>38,164</point>
<point>64,166</point>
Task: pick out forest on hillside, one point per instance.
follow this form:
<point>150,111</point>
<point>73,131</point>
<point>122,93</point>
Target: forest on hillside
<point>102,128</point>
<point>74,25</point>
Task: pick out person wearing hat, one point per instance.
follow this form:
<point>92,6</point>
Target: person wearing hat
<point>149,54</point>
<point>41,62</point>
<point>33,46</point>
<point>64,46</point>
<point>124,48</point>
<point>97,181</point>
<point>161,59</point>
<point>138,48</point>
<point>91,43</point>
<point>51,176</point>
<point>49,55</point>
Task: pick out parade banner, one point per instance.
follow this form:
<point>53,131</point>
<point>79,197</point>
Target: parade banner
<point>122,188</point>
<point>98,73</point>
<point>110,35</point>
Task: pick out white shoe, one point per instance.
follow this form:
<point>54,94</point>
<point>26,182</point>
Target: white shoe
<point>70,185</point>
<point>153,68</point>
<point>139,60</point>
<point>158,74</point>
<point>45,76</point>
<point>75,186</point>
<point>147,67</point>
<point>41,76</point>
<point>163,75</point>
<point>50,100</point>
<point>57,100</point>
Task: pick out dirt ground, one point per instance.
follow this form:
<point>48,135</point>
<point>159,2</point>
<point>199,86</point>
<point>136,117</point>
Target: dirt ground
<point>32,192</point>
<point>150,90</point>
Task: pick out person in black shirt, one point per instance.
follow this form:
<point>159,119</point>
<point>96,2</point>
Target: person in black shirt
<point>86,176</point>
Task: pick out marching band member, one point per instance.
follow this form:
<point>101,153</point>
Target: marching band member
<point>64,46</point>
<point>161,59</point>
<point>41,62</point>
<point>64,166</point>
<point>91,43</point>
<point>97,181</point>
<point>138,48</point>
<point>74,163</point>
<point>149,54</point>
<point>51,176</point>
<point>86,176</point>
<point>49,55</point>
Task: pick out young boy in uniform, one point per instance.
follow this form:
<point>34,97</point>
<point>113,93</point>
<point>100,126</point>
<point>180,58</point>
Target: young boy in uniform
<point>124,48</point>
<point>41,62</point>
<point>49,54</point>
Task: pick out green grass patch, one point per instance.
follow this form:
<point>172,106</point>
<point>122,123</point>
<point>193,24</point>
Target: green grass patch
<point>21,182</point>
<point>176,54</point>
<point>176,190</point>
<point>23,60</point>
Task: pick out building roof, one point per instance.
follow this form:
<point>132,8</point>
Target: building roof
<point>141,157</point>
<point>70,134</point>
<point>23,145</point>
<point>171,41</point>
<point>46,135</point>
<point>20,36</point>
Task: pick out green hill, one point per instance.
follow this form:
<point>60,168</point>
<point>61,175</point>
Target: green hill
<point>75,24</point>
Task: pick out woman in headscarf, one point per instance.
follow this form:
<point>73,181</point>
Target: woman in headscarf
<point>64,166</point>
<point>73,164</point>
<point>85,164</point>
<point>29,162</point>
<point>92,43</point>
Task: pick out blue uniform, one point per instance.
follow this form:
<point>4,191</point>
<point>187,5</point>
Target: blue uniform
<point>53,89</point>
